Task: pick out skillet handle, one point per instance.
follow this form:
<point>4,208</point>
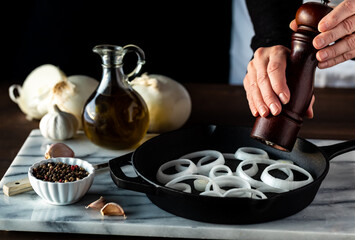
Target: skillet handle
<point>123,181</point>
<point>331,151</point>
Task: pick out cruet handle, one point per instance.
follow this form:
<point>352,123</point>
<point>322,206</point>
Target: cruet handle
<point>141,59</point>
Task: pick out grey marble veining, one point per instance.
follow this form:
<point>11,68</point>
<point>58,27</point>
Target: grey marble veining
<point>330,216</point>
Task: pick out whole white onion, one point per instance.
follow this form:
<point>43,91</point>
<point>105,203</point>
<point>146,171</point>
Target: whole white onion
<point>35,90</point>
<point>169,103</point>
<point>46,86</point>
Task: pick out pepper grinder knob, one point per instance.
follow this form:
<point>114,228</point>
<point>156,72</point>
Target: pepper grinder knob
<point>309,15</point>
<point>281,131</point>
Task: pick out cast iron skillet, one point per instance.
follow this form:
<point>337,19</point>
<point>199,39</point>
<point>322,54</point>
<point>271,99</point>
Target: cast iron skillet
<point>165,147</point>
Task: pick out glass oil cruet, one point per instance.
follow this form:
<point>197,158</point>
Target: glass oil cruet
<point>115,116</point>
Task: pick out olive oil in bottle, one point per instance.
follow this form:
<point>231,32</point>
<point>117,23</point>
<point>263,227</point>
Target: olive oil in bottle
<point>115,116</point>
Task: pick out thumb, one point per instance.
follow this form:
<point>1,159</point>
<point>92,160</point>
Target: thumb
<point>309,112</point>
<point>293,25</point>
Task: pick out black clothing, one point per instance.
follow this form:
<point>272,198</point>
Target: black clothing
<point>186,40</point>
<point>271,19</point>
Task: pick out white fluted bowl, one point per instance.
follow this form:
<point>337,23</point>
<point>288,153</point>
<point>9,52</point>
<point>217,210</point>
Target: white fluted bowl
<point>62,193</point>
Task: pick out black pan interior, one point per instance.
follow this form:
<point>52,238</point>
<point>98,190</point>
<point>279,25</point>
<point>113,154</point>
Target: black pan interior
<point>226,139</point>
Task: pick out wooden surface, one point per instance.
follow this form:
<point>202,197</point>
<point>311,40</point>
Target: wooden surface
<point>215,104</point>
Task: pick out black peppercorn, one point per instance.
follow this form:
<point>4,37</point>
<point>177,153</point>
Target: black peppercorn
<point>59,172</point>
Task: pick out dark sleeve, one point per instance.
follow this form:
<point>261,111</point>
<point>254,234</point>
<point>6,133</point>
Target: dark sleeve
<point>271,19</point>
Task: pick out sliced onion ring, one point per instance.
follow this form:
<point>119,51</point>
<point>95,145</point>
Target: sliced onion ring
<point>251,153</point>
<point>218,169</point>
<point>181,186</point>
<point>253,193</point>
<point>206,155</point>
<point>250,171</point>
<point>256,183</point>
<point>285,184</point>
<point>211,194</point>
<point>200,184</point>
<point>268,189</point>
<point>164,178</point>
<point>227,181</point>
<point>192,177</point>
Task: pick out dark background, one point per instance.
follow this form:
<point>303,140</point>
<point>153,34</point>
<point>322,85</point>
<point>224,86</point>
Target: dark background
<point>186,40</point>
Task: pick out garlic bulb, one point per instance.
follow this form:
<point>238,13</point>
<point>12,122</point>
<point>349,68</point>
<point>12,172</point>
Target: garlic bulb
<point>58,125</point>
<point>168,102</point>
<point>35,90</point>
<point>71,95</point>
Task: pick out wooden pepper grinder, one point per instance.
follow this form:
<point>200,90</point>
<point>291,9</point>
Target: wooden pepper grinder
<point>281,131</point>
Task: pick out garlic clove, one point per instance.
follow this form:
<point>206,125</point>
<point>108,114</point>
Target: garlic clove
<point>112,209</point>
<point>98,204</point>
<point>58,150</point>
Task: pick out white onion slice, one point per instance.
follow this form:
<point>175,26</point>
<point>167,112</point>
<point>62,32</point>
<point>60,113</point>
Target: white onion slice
<point>212,163</point>
<point>164,178</point>
<point>220,170</point>
<point>227,181</point>
<point>206,155</point>
<point>285,184</point>
<point>256,183</point>
<point>268,189</point>
<point>250,171</point>
<point>200,184</point>
<point>181,186</point>
<point>253,193</point>
<point>211,194</point>
<point>286,161</point>
<point>251,153</point>
<point>192,177</point>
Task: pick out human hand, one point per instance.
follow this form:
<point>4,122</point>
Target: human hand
<point>265,82</point>
<point>338,26</point>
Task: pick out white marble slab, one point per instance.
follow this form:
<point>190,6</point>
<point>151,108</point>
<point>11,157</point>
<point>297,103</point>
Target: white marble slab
<point>330,216</point>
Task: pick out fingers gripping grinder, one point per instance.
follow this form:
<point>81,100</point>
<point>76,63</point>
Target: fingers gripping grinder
<point>281,131</point>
